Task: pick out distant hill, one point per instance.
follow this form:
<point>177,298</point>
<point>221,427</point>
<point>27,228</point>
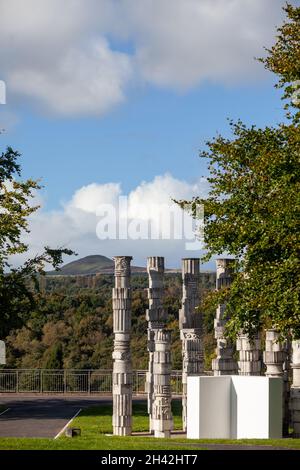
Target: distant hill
<point>88,265</point>
<point>95,264</point>
<point>92,264</point>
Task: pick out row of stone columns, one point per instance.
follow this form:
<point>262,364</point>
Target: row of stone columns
<point>158,383</point>
<point>276,355</point>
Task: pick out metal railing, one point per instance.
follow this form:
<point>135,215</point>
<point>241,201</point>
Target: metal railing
<point>72,381</point>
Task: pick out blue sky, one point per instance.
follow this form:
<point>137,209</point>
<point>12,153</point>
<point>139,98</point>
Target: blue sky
<point>126,92</point>
<point>154,132</point>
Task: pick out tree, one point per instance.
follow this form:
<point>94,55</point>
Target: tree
<point>54,357</point>
<point>16,294</point>
<point>252,210</point>
<point>284,59</point>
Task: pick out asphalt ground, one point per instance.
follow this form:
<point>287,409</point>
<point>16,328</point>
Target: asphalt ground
<point>33,416</point>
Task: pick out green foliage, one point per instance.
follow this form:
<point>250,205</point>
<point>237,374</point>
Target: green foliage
<point>53,359</point>
<point>252,210</point>
<point>80,320</point>
<point>16,298</point>
<point>284,59</point>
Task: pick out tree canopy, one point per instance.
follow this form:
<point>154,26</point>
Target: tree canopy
<point>252,210</point>
<point>16,298</point>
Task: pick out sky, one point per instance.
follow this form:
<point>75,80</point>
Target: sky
<point>110,98</point>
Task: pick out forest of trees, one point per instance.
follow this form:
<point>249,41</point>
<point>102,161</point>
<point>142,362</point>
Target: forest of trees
<point>71,326</point>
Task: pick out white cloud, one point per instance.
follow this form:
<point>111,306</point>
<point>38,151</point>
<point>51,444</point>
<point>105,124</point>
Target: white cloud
<point>89,197</point>
<point>182,44</point>
<point>74,226</point>
<point>83,82</point>
<point>60,53</point>
<point>56,53</point>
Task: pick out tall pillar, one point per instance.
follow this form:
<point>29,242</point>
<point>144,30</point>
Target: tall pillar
<point>249,354</point>
<point>224,363</point>
<point>2,353</point>
<point>156,317</point>
<point>286,387</point>
<point>162,419</point>
<point>295,389</point>
<point>122,368</point>
<point>275,361</point>
<point>190,324</point>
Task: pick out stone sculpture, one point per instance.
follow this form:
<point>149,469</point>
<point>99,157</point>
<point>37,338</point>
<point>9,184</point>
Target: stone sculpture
<point>190,324</point>
<point>162,419</point>
<point>295,389</point>
<point>158,384</point>
<point>122,368</point>
<point>249,362</point>
<point>156,318</point>
<point>224,363</point>
<point>275,358</point>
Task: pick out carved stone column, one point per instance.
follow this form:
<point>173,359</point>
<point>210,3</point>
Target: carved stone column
<point>224,363</point>
<point>2,353</point>
<point>249,355</point>
<point>274,358</point>
<point>274,354</point>
<point>286,388</point>
<point>122,368</point>
<point>190,324</point>
<point>295,389</point>
<point>156,318</point>
<point>162,420</point>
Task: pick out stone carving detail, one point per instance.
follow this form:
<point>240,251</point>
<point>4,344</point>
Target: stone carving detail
<point>122,266</point>
<point>122,368</point>
<point>276,359</point>
<point>274,354</point>
<point>158,377</point>
<point>2,353</point>
<point>295,389</point>
<point>249,354</point>
<point>162,419</point>
<point>224,363</point>
<point>190,323</point>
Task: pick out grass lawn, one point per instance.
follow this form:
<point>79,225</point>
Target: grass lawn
<point>95,422</point>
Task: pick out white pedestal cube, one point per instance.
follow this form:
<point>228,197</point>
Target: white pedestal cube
<point>234,407</point>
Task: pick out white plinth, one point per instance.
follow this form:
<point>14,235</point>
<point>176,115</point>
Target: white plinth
<point>234,407</point>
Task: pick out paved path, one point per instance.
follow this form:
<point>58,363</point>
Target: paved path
<point>40,416</point>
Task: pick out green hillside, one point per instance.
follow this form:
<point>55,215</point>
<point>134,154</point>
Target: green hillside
<point>88,265</point>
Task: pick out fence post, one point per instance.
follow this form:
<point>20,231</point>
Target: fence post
<point>65,380</point>
<point>17,382</point>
